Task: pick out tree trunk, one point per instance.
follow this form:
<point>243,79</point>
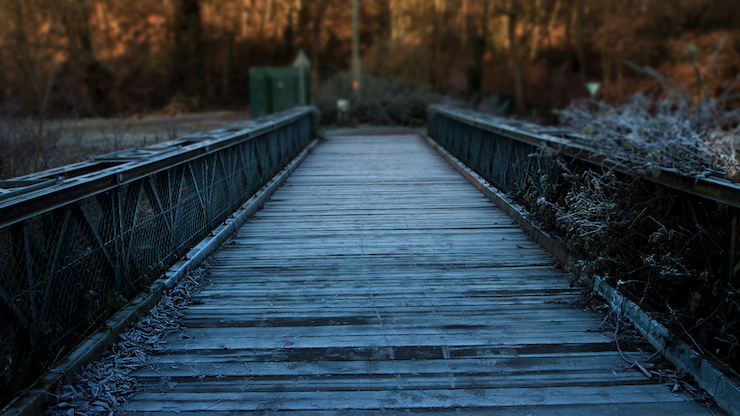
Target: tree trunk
<point>188,57</point>
<point>438,10</point>
<point>579,39</point>
<point>569,27</point>
<point>318,21</point>
<point>283,37</point>
<point>514,56</point>
<point>553,21</point>
<point>464,25</point>
<point>244,8</point>
<point>98,80</point>
<point>266,16</point>
<point>21,53</point>
<point>538,14</point>
<point>226,66</point>
<point>383,36</point>
<point>398,26</point>
<point>478,38</point>
<point>606,58</point>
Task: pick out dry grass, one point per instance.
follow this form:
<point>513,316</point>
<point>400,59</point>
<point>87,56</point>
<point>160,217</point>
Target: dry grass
<point>63,142</point>
<point>668,251</point>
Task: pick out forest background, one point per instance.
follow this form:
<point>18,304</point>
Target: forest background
<point>80,58</point>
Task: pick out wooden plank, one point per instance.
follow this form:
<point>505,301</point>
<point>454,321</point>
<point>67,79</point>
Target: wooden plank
<point>666,409</point>
<point>406,398</point>
<point>542,369</point>
<point>379,280</point>
<point>323,382</point>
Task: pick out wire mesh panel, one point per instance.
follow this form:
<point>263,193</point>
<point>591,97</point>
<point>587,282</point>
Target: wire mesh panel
<point>499,158</point>
<point>74,253</point>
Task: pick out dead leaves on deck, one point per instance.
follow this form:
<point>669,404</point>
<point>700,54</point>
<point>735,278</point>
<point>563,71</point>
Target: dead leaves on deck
<point>103,387</point>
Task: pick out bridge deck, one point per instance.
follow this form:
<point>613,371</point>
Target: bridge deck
<point>379,278</point>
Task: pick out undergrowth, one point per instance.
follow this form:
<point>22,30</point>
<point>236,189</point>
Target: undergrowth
<point>383,102</point>
<point>628,340</point>
<point>671,252</point>
<point>674,253</point>
<point>691,138</point>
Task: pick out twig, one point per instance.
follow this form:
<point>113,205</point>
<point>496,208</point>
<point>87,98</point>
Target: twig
<point>632,363</point>
<point>656,353</point>
<point>678,320</point>
<point>642,369</point>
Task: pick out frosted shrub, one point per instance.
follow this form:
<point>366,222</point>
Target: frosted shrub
<point>674,133</point>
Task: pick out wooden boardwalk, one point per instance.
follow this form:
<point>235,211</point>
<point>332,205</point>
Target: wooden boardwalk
<point>379,281</point>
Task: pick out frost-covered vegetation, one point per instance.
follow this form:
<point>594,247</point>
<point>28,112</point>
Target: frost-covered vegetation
<point>692,138</point>
<point>669,251</point>
<point>672,252</point>
<point>29,145</point>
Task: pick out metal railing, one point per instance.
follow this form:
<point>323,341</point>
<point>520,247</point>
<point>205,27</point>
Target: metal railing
<point>77,242</point>
<point>482,144</point>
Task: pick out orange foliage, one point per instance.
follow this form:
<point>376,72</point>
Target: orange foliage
<point>447,43</point>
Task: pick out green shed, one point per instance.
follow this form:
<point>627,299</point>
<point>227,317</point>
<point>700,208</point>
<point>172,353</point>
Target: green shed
<point>274,89</point>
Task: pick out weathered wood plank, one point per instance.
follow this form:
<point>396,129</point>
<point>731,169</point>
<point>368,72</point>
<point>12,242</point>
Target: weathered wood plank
<point>665,409</point>
<point>378,281</point>
<point>405,398</point>
<point>537,369</point>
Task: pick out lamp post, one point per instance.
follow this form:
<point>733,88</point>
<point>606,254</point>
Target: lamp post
<point>302,64</point>
<point>355,49</point>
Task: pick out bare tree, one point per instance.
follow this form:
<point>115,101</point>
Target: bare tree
<point>311,19</point>
<point>513,16</point>
<point>188,55</point>
<point>478,34</point>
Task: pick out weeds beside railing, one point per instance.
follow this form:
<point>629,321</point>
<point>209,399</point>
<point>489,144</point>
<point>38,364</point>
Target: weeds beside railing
<point>693,139</point>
